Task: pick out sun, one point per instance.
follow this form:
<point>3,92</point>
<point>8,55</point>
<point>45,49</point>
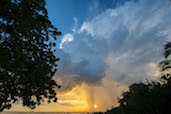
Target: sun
<point>95,106</point>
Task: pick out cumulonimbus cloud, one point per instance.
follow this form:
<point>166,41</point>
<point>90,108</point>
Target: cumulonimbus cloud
<point>124,43</point>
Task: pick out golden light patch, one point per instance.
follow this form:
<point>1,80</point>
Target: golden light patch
<point>95,106</point>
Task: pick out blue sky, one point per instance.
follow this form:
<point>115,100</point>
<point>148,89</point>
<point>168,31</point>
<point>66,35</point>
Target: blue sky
<point>62,12</point>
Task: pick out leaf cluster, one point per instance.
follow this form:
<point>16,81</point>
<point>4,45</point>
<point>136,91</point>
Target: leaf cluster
<point>27,60</point>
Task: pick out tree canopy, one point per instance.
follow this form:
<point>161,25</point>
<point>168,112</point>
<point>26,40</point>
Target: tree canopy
<point>27,61</point>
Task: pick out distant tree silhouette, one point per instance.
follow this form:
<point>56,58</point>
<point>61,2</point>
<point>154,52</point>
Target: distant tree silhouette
<point>27,62</point>
<point>152,97</point>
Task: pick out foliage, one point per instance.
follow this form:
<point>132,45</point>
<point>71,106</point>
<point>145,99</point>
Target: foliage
<point>27,62</point>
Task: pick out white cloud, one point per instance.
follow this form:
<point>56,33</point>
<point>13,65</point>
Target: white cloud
<point>67,38</point>
<point>123,45</point>
<point>102,25</point>
<point>75,27</point>
<point>87,27</point>
<point>112,12</point>
<point>75,19</point>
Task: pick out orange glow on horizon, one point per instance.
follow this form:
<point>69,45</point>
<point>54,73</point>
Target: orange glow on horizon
<point>81,98</point>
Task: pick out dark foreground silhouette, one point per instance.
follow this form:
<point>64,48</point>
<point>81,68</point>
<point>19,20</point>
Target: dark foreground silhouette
<point>27,62</point>
<point>152,97</point>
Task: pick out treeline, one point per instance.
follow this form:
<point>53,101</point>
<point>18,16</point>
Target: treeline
<point>152,97</point>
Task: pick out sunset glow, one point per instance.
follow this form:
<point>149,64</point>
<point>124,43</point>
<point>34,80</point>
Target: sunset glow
<point>95,106</point>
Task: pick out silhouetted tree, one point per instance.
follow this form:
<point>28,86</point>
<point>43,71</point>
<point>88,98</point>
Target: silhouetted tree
<point>27,62</point>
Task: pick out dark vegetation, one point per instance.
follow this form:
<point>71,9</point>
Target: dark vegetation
<point>27,62</point>
<point>152,97</point>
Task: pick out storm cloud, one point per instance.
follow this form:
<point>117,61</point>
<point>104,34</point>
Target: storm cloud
<point>124,43</point>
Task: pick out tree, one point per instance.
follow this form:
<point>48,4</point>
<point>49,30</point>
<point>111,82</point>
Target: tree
<point>27,62</point>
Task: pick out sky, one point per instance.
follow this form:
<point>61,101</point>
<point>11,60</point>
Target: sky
<point>106,46</point>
